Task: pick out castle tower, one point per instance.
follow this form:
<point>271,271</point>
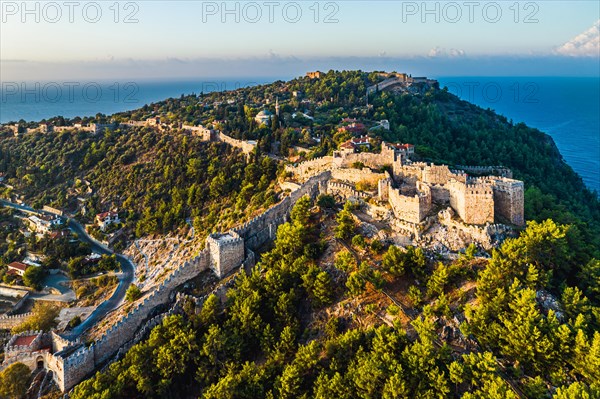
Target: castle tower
<point>226,252</point>
<point>473,200</point>
<point>509,200</point>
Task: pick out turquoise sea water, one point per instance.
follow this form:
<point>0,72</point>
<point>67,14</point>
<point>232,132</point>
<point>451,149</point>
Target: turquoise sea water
<point>565,108</point>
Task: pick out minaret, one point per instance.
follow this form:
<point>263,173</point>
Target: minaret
<point>277,106</point>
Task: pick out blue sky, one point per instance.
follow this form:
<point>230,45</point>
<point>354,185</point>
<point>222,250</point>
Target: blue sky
<point>182,39</point>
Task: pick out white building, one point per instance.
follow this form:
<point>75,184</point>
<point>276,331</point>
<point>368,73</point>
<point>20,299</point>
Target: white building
<point>43,224</point>
<point>105,219</point>
<point>302,114</point>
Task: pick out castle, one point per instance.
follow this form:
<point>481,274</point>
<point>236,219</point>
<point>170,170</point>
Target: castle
<point>415,189</point>
<point>400,79</point>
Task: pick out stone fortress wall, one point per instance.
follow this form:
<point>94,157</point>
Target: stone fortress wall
<point>487,170</point>
<point>340,166</point>
<point>306,169</point>
<point>9,321</point>
<point>200,131</point>
<point>72,361</point>
<point>412,209</point>
<point>474,202</point>
<point>245,146</point>
<point>364,175</point>
<point>477,200</point>
<point>215,135</point>
<point>369,159</point>
<point>345,190</point>
<point>509,198</point>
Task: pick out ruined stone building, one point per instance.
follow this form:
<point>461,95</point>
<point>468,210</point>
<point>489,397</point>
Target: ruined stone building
<point>477,200</point>
<point>415,189</point>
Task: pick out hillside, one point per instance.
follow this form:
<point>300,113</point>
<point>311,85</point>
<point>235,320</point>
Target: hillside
<point>155,181</point>
<point>336,307</point>
<point>320,318</point>
<point>443,128</point>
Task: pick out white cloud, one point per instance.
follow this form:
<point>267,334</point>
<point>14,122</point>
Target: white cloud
<point>586,44</point>
<point>436,52</point>
<point>456,52</point>
<point>442,52</point>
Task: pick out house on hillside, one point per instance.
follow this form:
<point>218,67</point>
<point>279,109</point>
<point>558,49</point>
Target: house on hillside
<point>17,268</point>
<point>355,144</point>
<point>60,234</point>
<point>351,126</point>
<point>105,219</point>
<point>43,224</point>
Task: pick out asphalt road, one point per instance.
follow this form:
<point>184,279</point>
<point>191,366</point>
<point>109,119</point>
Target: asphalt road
<point>125,280</point>
<point>125,277</point>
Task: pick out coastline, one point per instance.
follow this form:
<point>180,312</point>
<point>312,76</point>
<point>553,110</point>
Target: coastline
<point>538,102</point>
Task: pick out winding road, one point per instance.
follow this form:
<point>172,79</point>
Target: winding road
<point>125,277</point>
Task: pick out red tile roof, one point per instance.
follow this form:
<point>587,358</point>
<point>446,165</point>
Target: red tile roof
<point>17,265</point>
<point>400,146</point>
<point>105,214</point>
<point>24,340</point>
<point>60,234</point>
<point>361,140</point>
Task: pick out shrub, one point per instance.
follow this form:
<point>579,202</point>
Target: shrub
<point>358,241</point>
<point>74,322</point>
<point>133,293</point>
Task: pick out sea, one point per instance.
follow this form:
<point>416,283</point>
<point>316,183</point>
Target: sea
<point>566,108</point>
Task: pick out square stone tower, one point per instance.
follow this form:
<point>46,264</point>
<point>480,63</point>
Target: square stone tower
<point>509,200</point>
<point>226,252</point>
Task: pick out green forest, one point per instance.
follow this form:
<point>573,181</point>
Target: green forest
<point>259,345</point>
<point>156,181</point>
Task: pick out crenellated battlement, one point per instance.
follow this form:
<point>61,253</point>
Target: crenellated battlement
<point>411,208</point>
<point>345,190</point>
<point>226,252</point>
<point>500,171</point>
<point>16,316</point>
<point>27,340</point>
<point>472,200</point>
<point>477,187</point>
<point>10,321</point>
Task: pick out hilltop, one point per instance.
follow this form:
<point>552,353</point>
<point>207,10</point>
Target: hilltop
<point>357,296</point>
<point>443,128</point>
